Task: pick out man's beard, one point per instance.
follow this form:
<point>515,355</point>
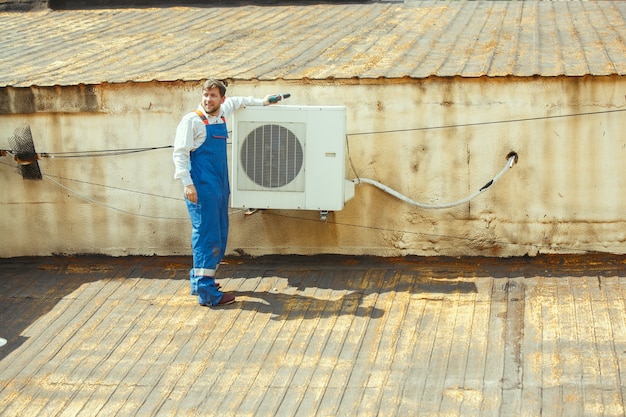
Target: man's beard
<point>212,111</point>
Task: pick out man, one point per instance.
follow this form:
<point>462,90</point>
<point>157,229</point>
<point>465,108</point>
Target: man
<point>200,161</point>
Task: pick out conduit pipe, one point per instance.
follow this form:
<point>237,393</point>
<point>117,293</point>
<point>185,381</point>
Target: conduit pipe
<point>511,160</point>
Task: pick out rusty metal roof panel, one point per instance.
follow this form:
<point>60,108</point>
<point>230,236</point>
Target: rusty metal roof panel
<point>415,39</point>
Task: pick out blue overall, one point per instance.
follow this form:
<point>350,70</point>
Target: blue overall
<point>209,217</point>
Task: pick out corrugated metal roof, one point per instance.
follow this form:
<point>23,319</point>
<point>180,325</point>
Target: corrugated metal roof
<point>342,41</point>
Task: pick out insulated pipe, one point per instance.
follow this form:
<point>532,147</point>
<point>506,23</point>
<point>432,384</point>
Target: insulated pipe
<point>511,160</point>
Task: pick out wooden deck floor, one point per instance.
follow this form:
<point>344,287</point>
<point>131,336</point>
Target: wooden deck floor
<point>315,336</point>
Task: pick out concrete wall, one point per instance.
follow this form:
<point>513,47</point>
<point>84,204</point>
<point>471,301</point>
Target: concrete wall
<point>22,5</point>
<point>438,140</point>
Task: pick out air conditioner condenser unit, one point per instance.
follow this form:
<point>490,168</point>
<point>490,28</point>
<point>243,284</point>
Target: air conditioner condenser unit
<point>290,157</point>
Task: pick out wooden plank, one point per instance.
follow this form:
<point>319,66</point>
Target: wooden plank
<point>29,295</point>
<point>434,392</point>
<point>321,354</point>
<point>473,380</point>
<point>265,395</point>
<point>590,367</point>
<point>246,358</point>
<point>383,335</point>
<point>569,350</point>
<point>455,390</point>
<point>310,340</point>
<point>335,365</point>
<point>417,368</point>
<point>32,292</point>
<point>267,353</point>
<point>604,337</point>
<point>165,367</point>
<point>494,355</point>
<point>613,288</point>
<point>229,359</point>
<point>142,345</point>
<point>51,340</point>
<point>211,328</point>
<point>408,318</point>
<point>536,295</point>
<point>514,364</point>
<point>130,339</point>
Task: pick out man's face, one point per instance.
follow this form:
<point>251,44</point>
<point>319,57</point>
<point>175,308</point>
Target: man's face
<point>211,101</point>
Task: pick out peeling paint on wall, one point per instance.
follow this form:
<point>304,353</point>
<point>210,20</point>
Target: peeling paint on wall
<point>434,140</point>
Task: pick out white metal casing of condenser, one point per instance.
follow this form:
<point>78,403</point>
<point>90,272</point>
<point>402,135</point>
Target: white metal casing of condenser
<point>290,157</point>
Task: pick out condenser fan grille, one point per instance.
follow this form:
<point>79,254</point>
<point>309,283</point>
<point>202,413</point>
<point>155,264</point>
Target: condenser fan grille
<point>271,156</point>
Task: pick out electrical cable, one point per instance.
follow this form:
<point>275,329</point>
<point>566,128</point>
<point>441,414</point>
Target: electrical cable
<point>105,152</point>
<point>116,188</point>
<point>80,154</point>
<point>494,122</point>
<point>113,152</point>
<point>512,158</point>
<point>91,200</point>
<point>278,214</point>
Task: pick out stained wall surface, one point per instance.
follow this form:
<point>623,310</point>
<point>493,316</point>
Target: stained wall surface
<point>435,140</point>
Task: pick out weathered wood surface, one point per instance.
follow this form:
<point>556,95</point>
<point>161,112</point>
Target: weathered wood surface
<point>327,336</point>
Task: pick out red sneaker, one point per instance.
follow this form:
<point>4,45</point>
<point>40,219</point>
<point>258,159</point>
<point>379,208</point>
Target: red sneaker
<point>226,299</point>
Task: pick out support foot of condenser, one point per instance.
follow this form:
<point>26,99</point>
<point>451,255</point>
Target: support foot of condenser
<point>323,215</point>
<point>250,211</point>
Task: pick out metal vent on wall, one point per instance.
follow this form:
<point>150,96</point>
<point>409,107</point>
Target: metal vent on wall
<point>272,156</point>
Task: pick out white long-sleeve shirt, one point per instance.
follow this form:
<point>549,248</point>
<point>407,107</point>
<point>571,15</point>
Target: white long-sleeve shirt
<point>191,133</point>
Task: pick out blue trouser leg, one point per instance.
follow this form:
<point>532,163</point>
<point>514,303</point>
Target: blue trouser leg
<point>208,294</point>
<point>223,219</point>
<point>193,282</point>
<point>207,240</point>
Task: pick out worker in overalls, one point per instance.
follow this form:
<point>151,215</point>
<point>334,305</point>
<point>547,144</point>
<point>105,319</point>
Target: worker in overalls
<point>200,160</point>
